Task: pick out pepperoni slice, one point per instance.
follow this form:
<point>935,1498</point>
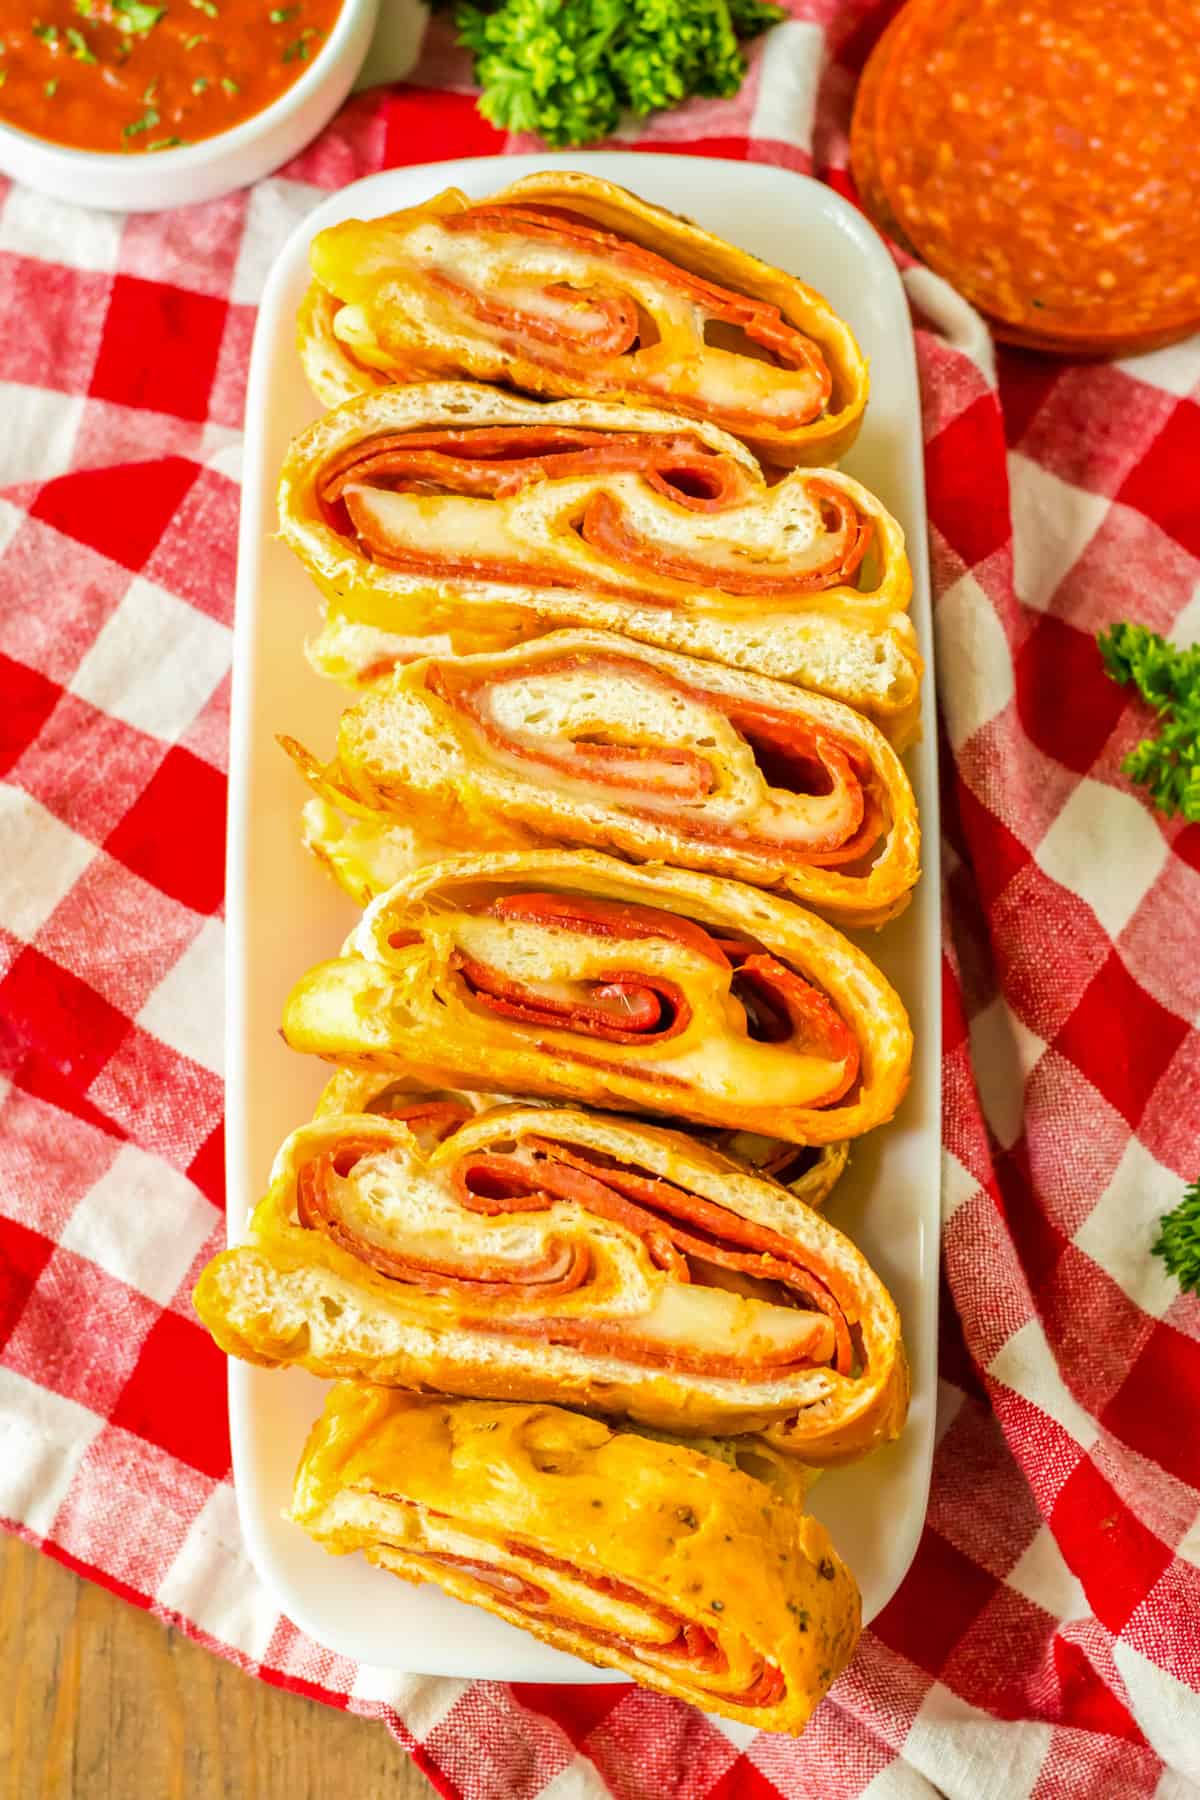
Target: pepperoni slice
<point>697,1646</point>
<point>560,1269</point>
<point>608,918</point>
<point>684,1234</point>
<point>620,1009</point>
<point>430,1121</point>
<point>1042,160</point>
<point>794,757</point>
<point>585,320</point>
<point>637,1006</point>
<point>498,461</point>
<point>607,323</point>
<point>798,759</point>
<point>606,527</point>
<point>784,1008</point>
<point>677,1224</point>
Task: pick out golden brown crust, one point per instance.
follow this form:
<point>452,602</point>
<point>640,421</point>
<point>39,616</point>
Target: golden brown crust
<point>352,261</point>
<point>386,1095</point>
<point>809,1172</point>
<point>295,1294</point>
<point>407,1008</point>
<point>696,1545</point>
<point>852,640</point>
<point>410,756</point>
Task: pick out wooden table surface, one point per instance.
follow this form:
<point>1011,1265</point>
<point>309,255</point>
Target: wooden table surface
<point>98,1701</point>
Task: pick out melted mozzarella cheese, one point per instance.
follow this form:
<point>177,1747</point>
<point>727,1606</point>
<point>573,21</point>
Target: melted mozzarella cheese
<point>712,1050</point>
<point>501,266</point>
<point>509,269</point>
<point>686,1315</point>
<point>399,1204</point>
<point>774,532</point>
<point>568,702</point>
<point>546,954</point>
<point>436,526</point>
<point>367,856</point>
<point>560,706</point>
<point>777,534</point>
<point>353,329</point>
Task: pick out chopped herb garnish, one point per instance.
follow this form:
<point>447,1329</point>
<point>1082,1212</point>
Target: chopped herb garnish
<point>207,8</point>
<point>3,76</point>
<point>151,93</point>
<point>51,89</point>
<point>136,16</point>
<point>47,33</point>
<point>566,71</point>
<point>84,8</point>
<point>165,144</point>
<point>147,122</point>
<point>200,83</point>
<point>231,87</point>
<point>297,52</point>
<point>190,43</point>
<point>79,46</point>
<point>281,14</point>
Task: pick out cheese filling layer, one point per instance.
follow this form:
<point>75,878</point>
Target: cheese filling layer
<point>551,1238</point>
<point>622,512</point>
<point>567,293</point>
<point>423,1545</point>
<point>646,986</point>
<point>613,730</point>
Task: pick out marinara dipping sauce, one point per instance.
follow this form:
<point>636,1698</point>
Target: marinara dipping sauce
<point>150,74</point>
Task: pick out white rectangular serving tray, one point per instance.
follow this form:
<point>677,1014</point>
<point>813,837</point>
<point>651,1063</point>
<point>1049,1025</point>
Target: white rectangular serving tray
<point>285,914</point>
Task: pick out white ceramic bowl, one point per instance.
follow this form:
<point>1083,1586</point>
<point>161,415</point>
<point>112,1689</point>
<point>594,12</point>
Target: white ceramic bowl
<point>125,182</point>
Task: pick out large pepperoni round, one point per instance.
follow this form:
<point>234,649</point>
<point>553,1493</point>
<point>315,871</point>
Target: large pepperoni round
<point>864,129</point>
<point>1041,155</point>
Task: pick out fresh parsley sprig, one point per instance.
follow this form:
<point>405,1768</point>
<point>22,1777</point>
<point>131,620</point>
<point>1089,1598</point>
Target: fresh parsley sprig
<point>1178,1241</point>
<point>567,72</point>
<point>1167,763</point>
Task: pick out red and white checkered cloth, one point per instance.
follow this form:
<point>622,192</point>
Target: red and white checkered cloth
<point>1047,1641</point>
